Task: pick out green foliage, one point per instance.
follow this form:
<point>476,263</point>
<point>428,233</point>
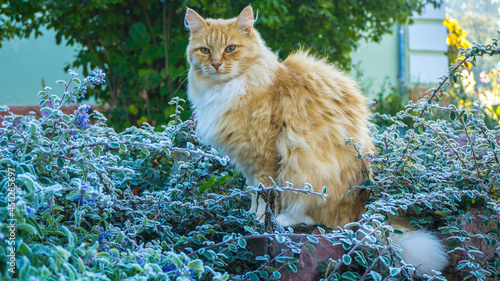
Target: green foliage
<point>90,203</point>
<point>141,46</point>
<point>390,101</point>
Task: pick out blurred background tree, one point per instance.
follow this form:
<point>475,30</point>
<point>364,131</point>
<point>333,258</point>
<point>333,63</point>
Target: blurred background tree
<point>141,44</point>
<point>480,20</point>
<point>475,21</point>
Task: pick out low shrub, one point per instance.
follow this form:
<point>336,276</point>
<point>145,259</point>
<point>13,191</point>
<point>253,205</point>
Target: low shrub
<point>80,201</point>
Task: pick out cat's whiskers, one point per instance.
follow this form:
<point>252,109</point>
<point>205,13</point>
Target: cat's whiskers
<point>182,73</point>
<point>173,94</point>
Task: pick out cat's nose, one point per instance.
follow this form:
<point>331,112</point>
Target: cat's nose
<point>216,65</point>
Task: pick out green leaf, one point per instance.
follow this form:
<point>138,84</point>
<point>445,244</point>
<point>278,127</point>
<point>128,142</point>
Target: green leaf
<point>28,181</point>
<point>196,265</point>
<point>452,243</point>
<point>72,195</point>
<point>99,167</point>
<point>114,145</point>
<point>385,260</point>
<point>119,237</point>
<point>223,180</point>
<point>309,247</point>
<point>80,264</point>
<point>60,162</point>
<point>144,149</point>
<point>360,258</point>
<point>103,255</point>
<point>206,185</point>
<point>394,271</point>
<point>262,258</point>
<point>25,250</point>
<point>312,239</point>
<point>375,275</point>
<point>346,259</point>
<point>350,276</point>
<point>242,243</point>
<point>9,162</point>
<point>26,228</point>
<point>69,236</point>
<point>47,110</point>
<point>279,238</point>
<point>292,267</point>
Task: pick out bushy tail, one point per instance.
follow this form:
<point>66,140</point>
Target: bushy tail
<point>422,249</point>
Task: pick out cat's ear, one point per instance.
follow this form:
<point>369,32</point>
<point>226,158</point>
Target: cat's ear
<point>245,20</point>
<point>193,21</point>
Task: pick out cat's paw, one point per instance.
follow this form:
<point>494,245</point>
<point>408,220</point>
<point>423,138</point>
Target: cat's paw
<point>287,220</point>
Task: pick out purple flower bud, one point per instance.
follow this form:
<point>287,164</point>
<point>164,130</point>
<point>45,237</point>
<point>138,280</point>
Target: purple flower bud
<point>85,185</point>
<point>30,211</point>
<point>169,267</point>
<point>97,77</point>
<point>81,118</point>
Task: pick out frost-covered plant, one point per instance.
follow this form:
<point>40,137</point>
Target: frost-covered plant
<point>68,189</point>
<point>79,200</point>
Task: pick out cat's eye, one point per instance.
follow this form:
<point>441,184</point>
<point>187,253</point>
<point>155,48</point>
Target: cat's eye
<point>205,50</point>
<point>229,49</point>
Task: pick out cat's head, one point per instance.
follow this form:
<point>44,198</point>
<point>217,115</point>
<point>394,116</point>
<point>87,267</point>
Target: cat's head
<point>221,50</point>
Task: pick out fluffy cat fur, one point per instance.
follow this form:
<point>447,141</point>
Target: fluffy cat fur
<point>287,121</point>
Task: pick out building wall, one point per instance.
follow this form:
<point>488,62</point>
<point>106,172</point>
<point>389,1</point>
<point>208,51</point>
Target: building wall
<point>413,54</point>
<point>377,63</point>
<point>28,64</point>
<point>426,47</point>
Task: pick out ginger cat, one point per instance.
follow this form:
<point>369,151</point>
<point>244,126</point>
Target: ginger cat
<point>287,121</point>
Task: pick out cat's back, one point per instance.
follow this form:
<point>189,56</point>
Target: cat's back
<point>316,74</point>
<point>327,101</point>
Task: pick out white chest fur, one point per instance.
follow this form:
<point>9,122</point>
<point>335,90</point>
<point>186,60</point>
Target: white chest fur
<point>211,102</point>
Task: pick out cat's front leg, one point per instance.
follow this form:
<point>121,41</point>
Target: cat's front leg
<point>291,220</point>
<point>293,211</point>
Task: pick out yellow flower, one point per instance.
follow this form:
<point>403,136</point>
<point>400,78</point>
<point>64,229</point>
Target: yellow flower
<point>451,39</point>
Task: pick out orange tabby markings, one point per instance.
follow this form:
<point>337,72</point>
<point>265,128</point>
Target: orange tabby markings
<point>287,121</point>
